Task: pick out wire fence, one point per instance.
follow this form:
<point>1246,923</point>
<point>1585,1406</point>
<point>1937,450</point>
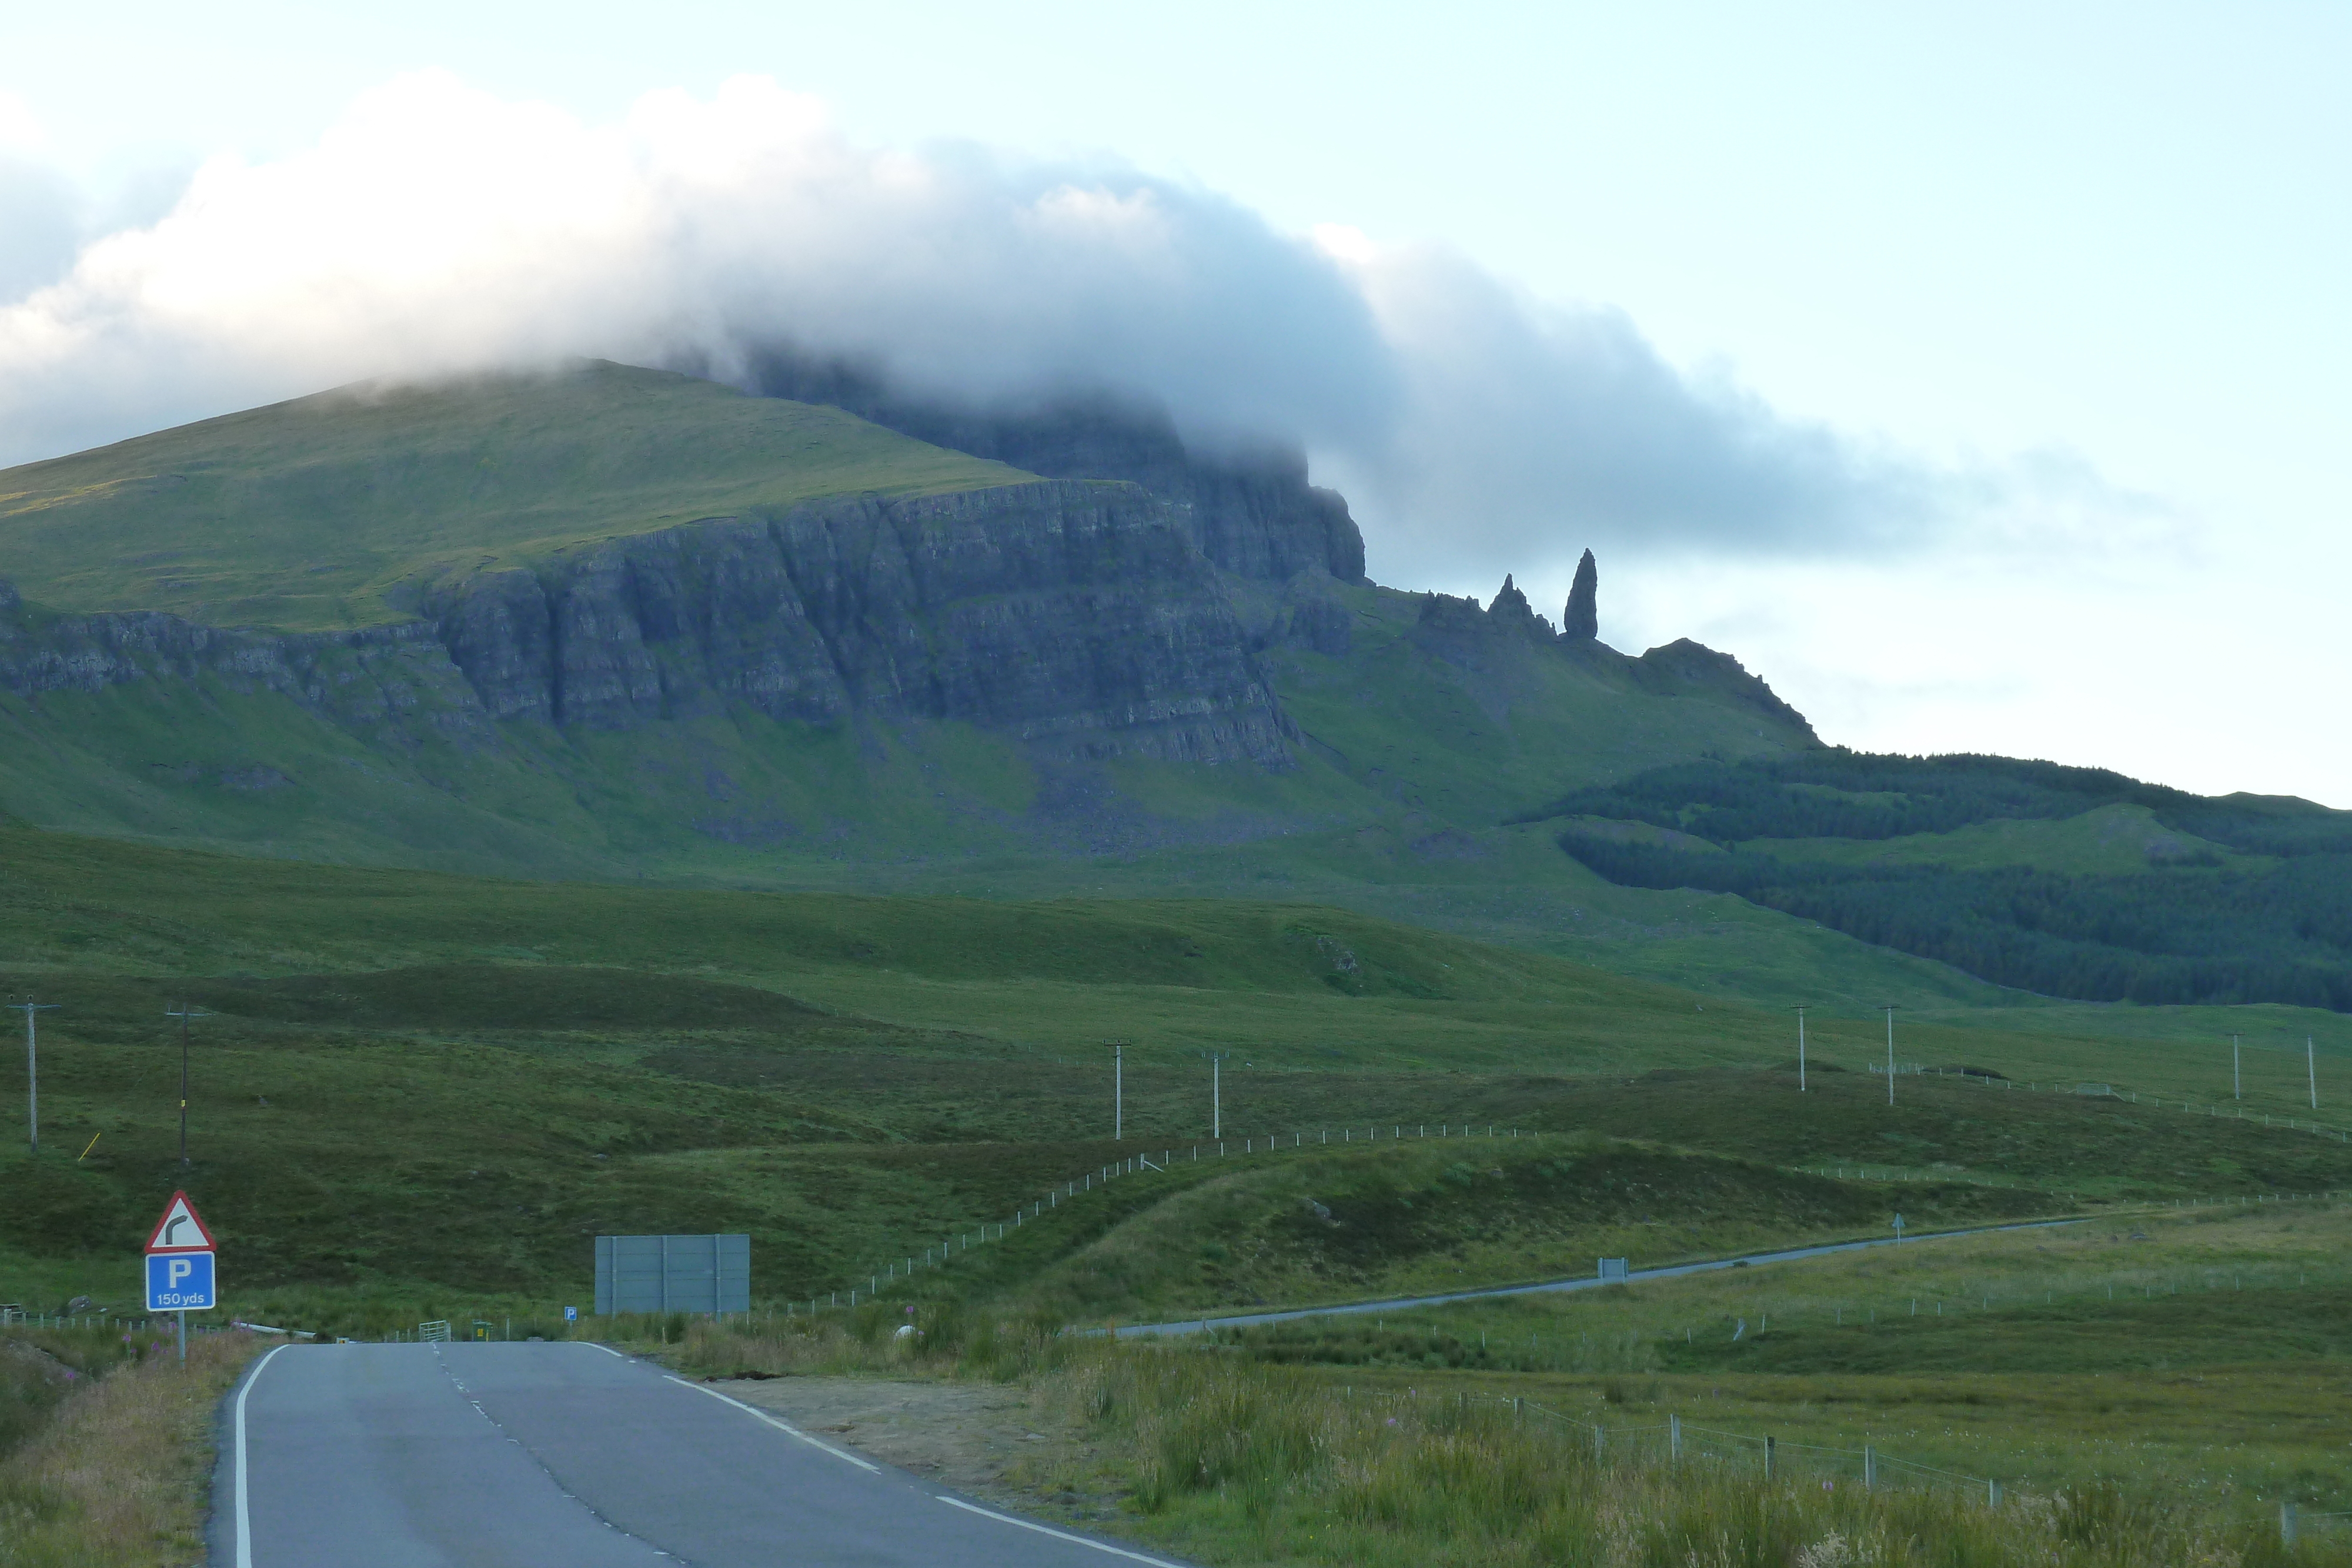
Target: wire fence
<point>16,1317</point>
<point>897,1271</point>
<point>1676,1442</point>
<point>2233,1111</point>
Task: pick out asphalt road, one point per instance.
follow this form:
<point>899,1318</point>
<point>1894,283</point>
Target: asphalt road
<point>1404,1304</point>
<point>566,1455</point>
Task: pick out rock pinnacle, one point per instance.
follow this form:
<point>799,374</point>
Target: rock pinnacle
<point>1580,621</point>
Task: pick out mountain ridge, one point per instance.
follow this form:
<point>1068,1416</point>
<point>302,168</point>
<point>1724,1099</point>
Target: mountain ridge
<point>941,663</point>
<point>880,661</point>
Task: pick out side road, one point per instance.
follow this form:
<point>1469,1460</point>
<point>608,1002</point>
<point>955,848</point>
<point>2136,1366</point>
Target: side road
<point>1403,1303</point>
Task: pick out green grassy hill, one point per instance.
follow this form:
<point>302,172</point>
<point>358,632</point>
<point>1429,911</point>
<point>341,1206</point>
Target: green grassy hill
<point>414,1084</point>
<point>312,515</point>
<point>2067,881</point>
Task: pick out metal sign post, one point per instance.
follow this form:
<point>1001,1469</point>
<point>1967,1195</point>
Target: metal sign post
<point>180,1275</point>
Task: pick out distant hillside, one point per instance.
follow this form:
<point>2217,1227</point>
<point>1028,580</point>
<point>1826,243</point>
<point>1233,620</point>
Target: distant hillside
<point>2070,882</point>
<point>616,622</point>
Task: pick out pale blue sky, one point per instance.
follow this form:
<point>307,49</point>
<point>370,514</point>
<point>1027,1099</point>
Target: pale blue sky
<point>2113,232</point>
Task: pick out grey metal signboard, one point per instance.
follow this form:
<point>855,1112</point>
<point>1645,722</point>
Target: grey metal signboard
<point>673,1274</point>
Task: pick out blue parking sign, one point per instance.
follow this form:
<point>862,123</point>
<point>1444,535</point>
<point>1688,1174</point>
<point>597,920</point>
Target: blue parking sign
<point>180,1282</point>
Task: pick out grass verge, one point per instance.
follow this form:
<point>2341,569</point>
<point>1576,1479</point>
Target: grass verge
<point>1227,1461</point>
<point>113,1475</point>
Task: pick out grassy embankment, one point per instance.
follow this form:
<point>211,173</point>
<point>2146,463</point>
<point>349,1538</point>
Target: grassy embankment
<point>105,1446</point>
<point>1229,1460</point>
<point>2193,1354</point>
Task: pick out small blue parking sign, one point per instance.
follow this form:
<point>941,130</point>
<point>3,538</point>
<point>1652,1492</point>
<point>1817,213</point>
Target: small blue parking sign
<point>572,1314</point>
<point>180,1282</point>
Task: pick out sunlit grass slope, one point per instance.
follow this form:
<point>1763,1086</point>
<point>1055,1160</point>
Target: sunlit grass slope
<point>307,515</point>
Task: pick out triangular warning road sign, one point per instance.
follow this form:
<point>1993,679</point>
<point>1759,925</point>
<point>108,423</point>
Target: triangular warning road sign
<point>180,1230</point>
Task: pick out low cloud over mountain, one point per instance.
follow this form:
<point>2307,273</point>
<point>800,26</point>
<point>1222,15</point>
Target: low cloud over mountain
<point>436,228</point>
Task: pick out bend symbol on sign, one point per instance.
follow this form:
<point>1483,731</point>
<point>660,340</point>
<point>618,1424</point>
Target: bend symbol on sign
<point>180,1261</point>
<point>181,1229</point>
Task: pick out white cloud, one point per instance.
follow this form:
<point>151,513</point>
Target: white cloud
<point>20,130</point>
<point>436,228</point>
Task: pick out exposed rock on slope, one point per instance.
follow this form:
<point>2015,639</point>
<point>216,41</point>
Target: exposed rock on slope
<point>1253,514</point>
<point>357,679</point>
<point>1457,630</point>
<point>1512,610</point>
<point>1072,613</point>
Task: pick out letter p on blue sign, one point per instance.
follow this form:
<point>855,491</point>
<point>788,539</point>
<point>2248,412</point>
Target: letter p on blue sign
<point>180,1282</point>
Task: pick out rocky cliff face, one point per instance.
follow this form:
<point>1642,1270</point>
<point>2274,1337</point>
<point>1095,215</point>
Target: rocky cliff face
<point>1076,616</point>
<point>1253,514</point>
<point>391,681</point>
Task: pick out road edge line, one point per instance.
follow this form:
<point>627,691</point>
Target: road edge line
<point>607,1349</point>
<point>755,1412</point>
<point>1048,1530</point>
<point>244,1507</point>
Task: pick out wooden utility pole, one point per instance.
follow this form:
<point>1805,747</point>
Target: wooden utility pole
<point>184,1013</point>
<point>1891,1011</point>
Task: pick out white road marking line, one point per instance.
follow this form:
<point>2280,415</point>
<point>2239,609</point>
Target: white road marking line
<point>1056,1534</point>
<point>244,1507</point>
<point>607,1349</point>
<point>779,1426</point>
